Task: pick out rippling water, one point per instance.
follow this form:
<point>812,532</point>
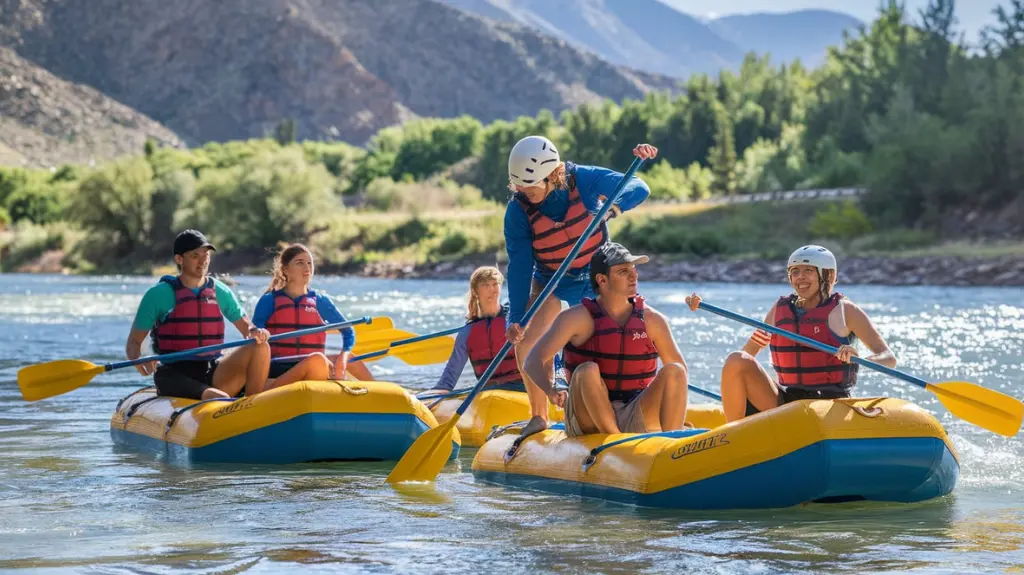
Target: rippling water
<point>70,501</point>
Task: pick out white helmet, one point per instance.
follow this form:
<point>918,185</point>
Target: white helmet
<point>816,256</point>
<point>532,159</point>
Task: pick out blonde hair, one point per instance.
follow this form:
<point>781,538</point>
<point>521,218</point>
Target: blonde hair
<point>558,179</point>
<point>283,258</point>
<point>480,276</point>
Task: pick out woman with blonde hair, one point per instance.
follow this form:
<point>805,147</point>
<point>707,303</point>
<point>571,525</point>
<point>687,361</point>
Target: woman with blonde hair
<point>483,335</point>
<point>288,305</point>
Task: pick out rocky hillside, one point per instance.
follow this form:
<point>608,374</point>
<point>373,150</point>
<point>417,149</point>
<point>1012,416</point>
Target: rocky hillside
<point>653,36</point>
<point>46,121</point>
<point>233,69</point>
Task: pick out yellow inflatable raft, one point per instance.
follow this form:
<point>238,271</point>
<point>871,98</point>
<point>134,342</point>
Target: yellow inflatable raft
<point>811,450</point>
<point>304,421</point>
<point>490,409</point>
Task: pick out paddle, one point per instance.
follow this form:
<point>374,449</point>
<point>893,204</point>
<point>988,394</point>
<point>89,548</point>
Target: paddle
<point>419,349</point>
<point>58,377</point>
<point>413,350</point>
<point>428,454</point>
<point>987,408</point>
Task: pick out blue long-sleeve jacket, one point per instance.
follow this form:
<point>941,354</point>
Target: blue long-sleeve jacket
<point>592,183</point>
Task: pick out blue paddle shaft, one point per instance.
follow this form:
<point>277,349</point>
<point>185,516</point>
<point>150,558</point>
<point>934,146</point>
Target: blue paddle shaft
<point>231,344</point>
<point>812,343</point>
<point>705,392</point>
<point>553,282</point>
<point>383,351</point>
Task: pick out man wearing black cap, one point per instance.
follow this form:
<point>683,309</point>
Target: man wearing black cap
<point>612,346</point>
<point>188,311</point>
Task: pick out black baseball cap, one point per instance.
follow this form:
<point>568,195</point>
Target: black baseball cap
<point>189,240</point>
<point>611,254</point>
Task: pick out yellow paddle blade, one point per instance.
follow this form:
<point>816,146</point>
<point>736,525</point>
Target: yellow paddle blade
<point>55,377</point>
<point>427,455</point>
<point>376,324</point>
<point>379,340</point>
<point>427,352</point>
<point>984,407</point>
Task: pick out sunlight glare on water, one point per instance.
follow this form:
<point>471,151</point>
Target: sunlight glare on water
<point>70,501</point>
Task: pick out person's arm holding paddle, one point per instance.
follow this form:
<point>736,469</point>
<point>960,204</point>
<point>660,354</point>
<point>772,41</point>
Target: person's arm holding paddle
<point>860,325</point>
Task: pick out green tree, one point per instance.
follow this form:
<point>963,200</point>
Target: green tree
<point>722,156</point>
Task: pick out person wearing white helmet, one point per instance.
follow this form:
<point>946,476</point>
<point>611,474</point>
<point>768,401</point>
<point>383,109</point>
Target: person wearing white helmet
<point>552,203</point>
<point>813,311</point>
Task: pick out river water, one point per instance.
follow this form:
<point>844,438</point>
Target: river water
<point>70,501</point>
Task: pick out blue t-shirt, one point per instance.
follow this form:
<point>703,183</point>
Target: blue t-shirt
<point>592,182</point>
<point>324,306</point>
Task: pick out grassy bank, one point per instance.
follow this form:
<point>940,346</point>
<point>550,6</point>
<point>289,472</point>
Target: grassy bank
<point>695,231</point>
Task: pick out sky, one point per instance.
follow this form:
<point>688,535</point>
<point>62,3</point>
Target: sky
<point>972,14</point>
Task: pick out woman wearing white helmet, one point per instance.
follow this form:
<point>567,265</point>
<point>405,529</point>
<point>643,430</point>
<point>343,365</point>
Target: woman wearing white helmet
<point>813,311</point>
<point>553,202</point>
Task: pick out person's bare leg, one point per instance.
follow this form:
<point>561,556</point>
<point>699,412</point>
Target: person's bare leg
<point>246,366</point>
<point>212,392</point>
<point>312,368</point>
<point>743,379</point>
<point>539,324</point>
<point>591,406</point>
<point>663,403</point>
<point>360,371</point>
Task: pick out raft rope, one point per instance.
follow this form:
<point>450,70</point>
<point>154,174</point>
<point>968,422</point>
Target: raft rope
<point>675,434</point>
<point>131,395</point>
<point>131,410</point>
<point>174,416</point>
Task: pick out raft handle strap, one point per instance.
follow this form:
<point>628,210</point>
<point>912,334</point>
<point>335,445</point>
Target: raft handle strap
<point>131,410</point>
<point>174,416</point>
<point>514,448</point>
<point>131,395</point>
<point>871,411</point>
<point>497,431</point>
<point>591,458</point>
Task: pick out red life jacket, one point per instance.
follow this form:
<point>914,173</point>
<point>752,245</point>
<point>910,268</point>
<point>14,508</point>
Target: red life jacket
<point>290,315</point>
<point>486,336</point>
<point>802,366</point>
<point>552,241</point>
<point>625,355</point>
<point>195,321</point>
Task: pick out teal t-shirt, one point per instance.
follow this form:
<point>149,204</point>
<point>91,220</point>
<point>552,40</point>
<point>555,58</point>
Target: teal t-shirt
<point>159,302</point>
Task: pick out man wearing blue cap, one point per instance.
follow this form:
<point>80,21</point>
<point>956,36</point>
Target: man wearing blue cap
<point>187,311</point>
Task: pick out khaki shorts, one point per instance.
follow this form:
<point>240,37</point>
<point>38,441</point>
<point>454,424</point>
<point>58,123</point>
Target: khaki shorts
<point>628,416</point>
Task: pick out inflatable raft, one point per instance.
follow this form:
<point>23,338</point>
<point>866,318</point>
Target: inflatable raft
<point>304,421</point>
<point>806,451</point>
<point>493,407</point>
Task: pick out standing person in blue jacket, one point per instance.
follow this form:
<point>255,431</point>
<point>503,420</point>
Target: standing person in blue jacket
<point>553,202</point>
<point>289,305</point>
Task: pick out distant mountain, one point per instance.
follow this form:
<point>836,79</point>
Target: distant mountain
<point>230,69</point>
<point>46,121</point>
<point>805,34</point>
<point>651,35</point>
